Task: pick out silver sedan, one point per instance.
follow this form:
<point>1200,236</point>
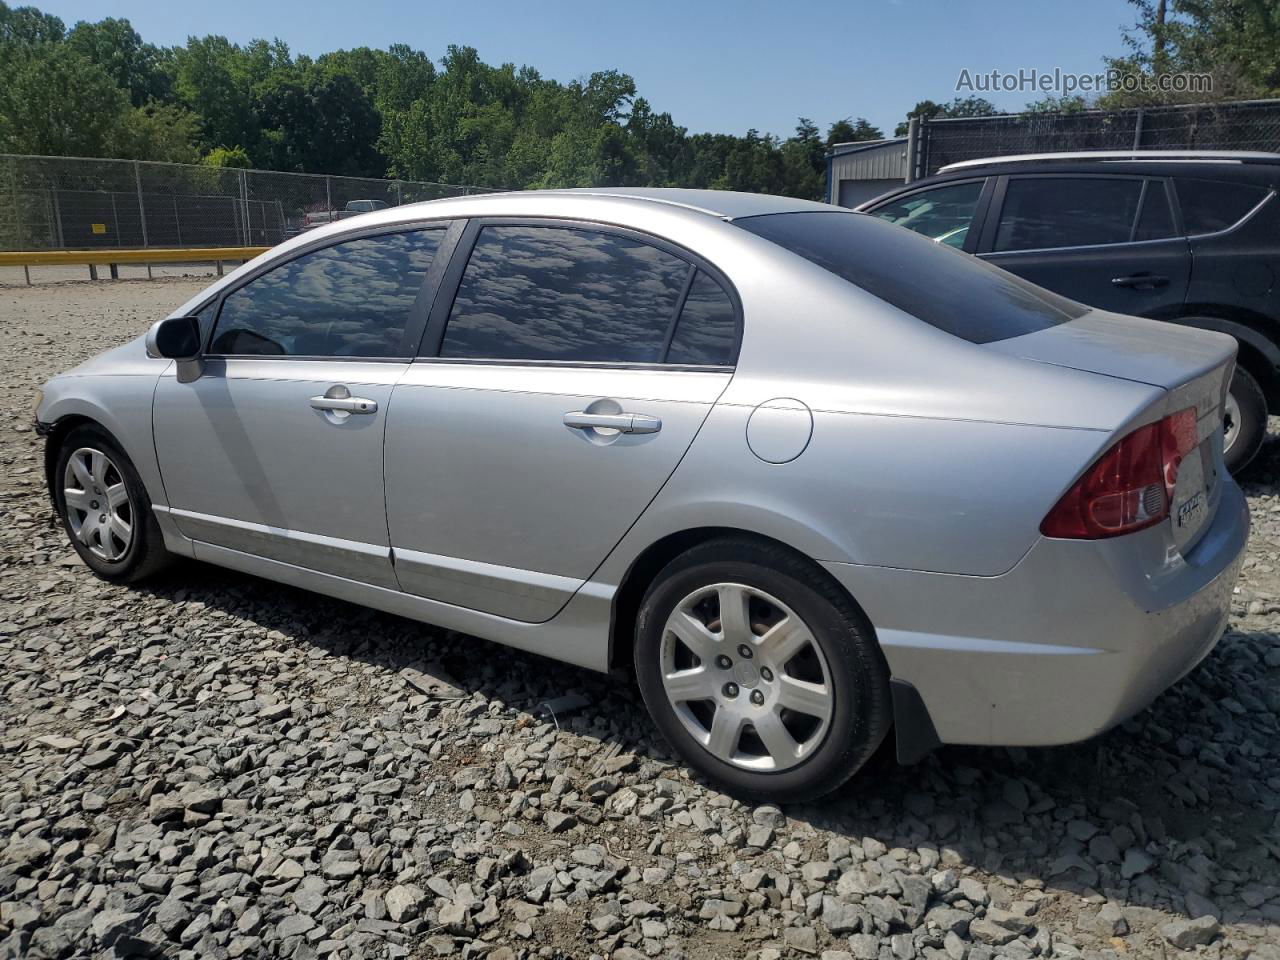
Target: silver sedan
<point>809,476</point>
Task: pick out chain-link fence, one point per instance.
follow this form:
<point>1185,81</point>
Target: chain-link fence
<point>51,203</point>
<point>1243,125</point>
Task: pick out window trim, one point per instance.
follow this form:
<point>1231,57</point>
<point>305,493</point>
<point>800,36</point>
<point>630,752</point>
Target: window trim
<point>987,246</point>
<point>980,209</point>
<point>424,299</point>
<point>433,334</point>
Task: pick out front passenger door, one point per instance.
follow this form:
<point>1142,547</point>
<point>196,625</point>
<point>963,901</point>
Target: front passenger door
<point>276,450</point>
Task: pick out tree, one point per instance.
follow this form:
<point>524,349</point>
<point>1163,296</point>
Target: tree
<point>844,131</point>
<point>959,107</point>
<point>159,131</point>
<point>229,157</point>
<point>116,47</point>
<point>27,25</point>
<point>55,101</point>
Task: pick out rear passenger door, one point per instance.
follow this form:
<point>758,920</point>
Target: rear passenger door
<point>1108,241</point>
<point>565,371</point>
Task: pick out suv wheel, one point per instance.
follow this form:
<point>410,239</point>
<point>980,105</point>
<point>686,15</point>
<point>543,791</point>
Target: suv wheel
<point>760,672</point>
<point>1244,421</point>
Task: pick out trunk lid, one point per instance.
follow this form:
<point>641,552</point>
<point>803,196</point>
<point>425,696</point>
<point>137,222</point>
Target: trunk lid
<point>1194,368</point>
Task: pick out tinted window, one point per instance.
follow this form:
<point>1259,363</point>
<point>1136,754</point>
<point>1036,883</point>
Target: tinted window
<point>1211,205</point>
<point>349,300</point>
<point>942,214</point>
<point>945,288</point>
<point>1046,212</point>
<point>1155,222</point>
<point>553,293</point>
<point>707,327</point>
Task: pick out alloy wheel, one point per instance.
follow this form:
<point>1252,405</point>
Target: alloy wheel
<point>1230,422</point>
<point>99,511</point>
<point>746,677</point>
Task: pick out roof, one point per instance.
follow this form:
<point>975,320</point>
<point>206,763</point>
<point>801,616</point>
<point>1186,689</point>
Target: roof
<point>857,146</point>
<point>1200,156</point>
<point>725,204</point>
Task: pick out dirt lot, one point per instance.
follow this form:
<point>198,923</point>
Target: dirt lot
<point>216,766</point>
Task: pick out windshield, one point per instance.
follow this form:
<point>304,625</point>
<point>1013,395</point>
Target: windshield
<point>946,289</point>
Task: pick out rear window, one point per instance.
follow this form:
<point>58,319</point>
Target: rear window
<point>1211,205</point>
<point>945,288</point>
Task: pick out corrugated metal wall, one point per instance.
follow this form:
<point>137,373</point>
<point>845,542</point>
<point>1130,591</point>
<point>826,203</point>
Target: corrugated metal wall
<point>880,162</point>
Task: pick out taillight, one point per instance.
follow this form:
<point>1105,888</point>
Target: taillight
<point>1130,486</point>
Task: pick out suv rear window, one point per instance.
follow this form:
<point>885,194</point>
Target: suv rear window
<point>945,288</point>
<point>1212,205</point>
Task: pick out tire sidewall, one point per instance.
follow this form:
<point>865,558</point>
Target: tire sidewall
<point>1252,405</point>
<point>139,503</point>
<point>853,661</point>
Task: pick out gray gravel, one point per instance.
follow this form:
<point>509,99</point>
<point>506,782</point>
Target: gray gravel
<point>215,766</point>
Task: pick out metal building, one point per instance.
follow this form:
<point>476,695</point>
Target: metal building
<point>860,171</point>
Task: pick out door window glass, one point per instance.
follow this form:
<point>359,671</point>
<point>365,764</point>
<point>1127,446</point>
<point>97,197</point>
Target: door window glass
<point>1155,222</point>
<point>942,214</point>
<point>349,300</point>
<point>558,293</point>
<point>708,326</point>
<point>1048,212</point>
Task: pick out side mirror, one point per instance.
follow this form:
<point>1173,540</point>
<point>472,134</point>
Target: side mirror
<point>178,338</point>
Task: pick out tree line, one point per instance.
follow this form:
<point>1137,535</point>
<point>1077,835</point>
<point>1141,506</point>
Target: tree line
<point>99,90</point>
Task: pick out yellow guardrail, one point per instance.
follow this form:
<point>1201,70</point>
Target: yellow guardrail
<point>45,258</point>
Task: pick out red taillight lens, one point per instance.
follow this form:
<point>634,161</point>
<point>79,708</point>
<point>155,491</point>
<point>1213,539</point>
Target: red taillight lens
<point>1130,486</point>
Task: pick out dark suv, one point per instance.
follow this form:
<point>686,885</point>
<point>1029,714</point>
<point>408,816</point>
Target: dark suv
<point>1188,238</point>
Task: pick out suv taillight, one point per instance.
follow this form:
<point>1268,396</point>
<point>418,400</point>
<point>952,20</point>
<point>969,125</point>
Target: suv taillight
<point>1130,486</point>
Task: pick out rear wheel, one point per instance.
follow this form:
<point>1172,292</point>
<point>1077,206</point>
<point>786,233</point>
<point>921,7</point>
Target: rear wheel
<point>1244,421</point>
<point>105,509</point>
<point>760,671</point>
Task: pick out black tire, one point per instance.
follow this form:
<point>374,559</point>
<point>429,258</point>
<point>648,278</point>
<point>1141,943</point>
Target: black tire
<point>145,554</point>
<point>1250,409</point>
<point>862,711</point>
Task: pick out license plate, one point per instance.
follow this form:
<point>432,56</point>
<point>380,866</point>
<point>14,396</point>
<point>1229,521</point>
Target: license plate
<point>1191,511</point>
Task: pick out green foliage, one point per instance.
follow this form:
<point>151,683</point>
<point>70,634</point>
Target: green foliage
<point>846,131</point>
<point>55,101</point>
<point>959,107</point>
<point>231,157</point>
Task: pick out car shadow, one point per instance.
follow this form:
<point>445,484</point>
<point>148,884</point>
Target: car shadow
<point>1180,780</point>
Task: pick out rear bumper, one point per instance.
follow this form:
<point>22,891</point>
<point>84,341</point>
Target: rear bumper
<point>1076,638</point>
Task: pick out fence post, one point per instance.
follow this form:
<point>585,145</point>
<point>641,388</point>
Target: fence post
<point>399,199</point>
<point>244,205</point>
<point>142,209</point>
<point>913,148</point>
<point>1137,129</point>
<point>57,217</point>
<point>328,196</point>
<point>17,211</point>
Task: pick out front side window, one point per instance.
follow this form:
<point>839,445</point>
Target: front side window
<point>352,299</point>
<point>1048,212</point>
<point>567,294</point>
<point>943,214</point>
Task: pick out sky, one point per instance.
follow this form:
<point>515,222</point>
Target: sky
<point>723,67</point>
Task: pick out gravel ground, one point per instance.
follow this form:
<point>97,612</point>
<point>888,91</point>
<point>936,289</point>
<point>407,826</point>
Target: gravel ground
<point>215,766</point>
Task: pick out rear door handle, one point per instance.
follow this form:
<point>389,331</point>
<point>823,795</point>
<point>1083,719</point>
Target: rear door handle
<point>345,404</point>
<point>1141,281</point>
<point>622,422</point>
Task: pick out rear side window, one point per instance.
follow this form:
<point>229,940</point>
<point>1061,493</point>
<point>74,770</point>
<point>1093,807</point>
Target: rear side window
<point>1047,212</point>
<point>1212,205</point>
<point>946,289</point>
<point>557,293</point>
<point>941,213</point>
<point>349,300</point>
<point>707,329</point>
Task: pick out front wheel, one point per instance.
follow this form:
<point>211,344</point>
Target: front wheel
<point>105,508</point>
<point>760,672</point>
<point>1244,421</point>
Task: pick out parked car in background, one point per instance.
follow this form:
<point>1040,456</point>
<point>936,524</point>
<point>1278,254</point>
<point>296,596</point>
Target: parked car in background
<point>1192,238</point>
<point>807,475</point>
<point>352,209</point>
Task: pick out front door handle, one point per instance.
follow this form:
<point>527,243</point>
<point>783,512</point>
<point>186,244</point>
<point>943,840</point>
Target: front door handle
<point>339,400</point>
<point>622,422</point>
<point>1141,281</point>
